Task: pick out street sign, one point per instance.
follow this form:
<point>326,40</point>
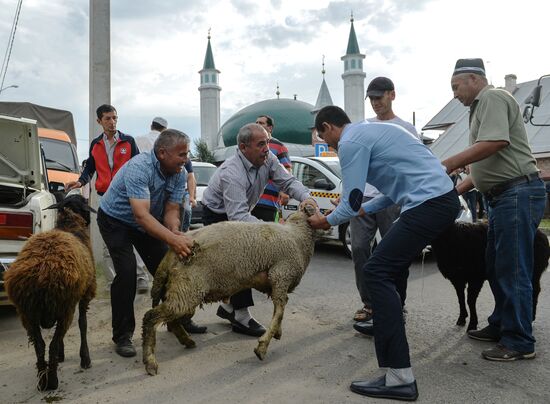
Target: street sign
<point>320,148</point>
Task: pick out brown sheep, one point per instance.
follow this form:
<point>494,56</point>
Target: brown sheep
<point>53,272</point>
<point>229,257</point>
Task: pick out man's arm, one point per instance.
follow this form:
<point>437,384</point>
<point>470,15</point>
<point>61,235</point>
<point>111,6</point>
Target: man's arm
<point>476,152</point>
<point>465,185</point>
<point>179,242</point>
<point>192,188</point>
<point>172,216</point>
<point>286,181</point>
<point>87,173</point>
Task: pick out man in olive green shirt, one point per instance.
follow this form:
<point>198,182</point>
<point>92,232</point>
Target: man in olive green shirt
<point>503,168</point>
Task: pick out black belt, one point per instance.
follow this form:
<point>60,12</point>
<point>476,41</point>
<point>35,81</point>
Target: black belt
<point>503,186</point>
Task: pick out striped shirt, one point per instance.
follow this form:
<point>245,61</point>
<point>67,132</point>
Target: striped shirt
<point>142,178</point>
<point>270,197</point>
<point>236,186</point>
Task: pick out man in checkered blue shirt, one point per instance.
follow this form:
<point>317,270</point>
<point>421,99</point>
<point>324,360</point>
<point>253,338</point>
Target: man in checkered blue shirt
<point>141,209</point>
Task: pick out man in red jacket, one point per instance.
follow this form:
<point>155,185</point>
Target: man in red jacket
<point>108,152</point>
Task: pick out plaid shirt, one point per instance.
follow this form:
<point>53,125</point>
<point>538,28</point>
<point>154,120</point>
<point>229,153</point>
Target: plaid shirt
<point>141,178</point>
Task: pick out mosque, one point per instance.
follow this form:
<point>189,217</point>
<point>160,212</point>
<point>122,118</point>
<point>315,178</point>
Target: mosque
<point>293,118</point>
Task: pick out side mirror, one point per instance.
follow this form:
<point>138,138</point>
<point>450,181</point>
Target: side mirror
<point>322,183</point>
<point>534,97</point>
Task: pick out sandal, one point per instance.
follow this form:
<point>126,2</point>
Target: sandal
<point>363,314</point>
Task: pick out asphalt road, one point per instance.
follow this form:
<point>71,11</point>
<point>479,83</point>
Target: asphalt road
<point>314,362</point>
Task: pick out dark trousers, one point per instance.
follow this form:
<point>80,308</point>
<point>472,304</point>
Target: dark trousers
<point>243,298</point>
<point>405,240</point>
<point>120,240</point>
<point>264,213</point>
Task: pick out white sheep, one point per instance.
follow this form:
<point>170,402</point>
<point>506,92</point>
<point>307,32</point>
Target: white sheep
<point>51,275</point>
<point>229,257</point>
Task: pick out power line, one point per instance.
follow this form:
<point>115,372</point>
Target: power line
<point>11,39</point>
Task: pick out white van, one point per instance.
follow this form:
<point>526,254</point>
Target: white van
<point>323,177</point>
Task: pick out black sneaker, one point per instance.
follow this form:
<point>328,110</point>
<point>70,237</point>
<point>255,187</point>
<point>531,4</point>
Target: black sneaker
<point>489,334</point>
<point>125,348</point>
<point>502,354</point>
<point>365,328</point>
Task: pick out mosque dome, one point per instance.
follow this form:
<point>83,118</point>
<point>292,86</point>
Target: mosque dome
<point>292,119</point>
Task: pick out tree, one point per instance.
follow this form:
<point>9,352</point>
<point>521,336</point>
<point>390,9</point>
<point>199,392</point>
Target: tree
<point>202,152</point>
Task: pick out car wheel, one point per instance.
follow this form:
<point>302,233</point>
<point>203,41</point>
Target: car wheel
<point>345,238</point>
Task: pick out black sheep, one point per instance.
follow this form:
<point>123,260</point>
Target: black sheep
<point>460,255</point>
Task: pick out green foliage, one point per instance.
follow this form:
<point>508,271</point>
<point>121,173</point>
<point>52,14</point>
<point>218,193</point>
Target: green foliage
<point>202,153</point>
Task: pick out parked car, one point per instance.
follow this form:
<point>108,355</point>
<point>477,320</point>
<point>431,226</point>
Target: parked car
<point>323,177</point>
<point>24,190</point>
<point>203,173</point>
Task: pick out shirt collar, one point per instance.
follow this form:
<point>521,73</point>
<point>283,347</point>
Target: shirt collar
<point>116,137</point>
<point>247,164</point>
<point>156,163</point>
<point>478,96</point>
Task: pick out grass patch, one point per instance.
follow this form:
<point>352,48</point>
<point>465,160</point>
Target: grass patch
<point>544,224</point>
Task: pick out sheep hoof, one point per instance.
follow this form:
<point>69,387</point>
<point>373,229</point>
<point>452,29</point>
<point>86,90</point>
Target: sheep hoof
<point>472,327</point>
<point>277,335</point>
<point>53,383</point>
<point>461,322</point>
<point>190,344</point>
<point>259,354</point>
<point>152,368</point>
<point>85,363</point>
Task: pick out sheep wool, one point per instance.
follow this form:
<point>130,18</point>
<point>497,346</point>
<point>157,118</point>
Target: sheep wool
<point>52,274</point>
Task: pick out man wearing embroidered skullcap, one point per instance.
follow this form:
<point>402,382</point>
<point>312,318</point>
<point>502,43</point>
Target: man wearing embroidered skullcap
<point>503,168</point>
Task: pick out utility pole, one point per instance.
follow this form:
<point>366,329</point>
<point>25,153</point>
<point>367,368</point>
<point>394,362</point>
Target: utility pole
<point>100,90</point>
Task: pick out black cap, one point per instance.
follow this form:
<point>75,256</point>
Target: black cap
<point>474,66</point>
<point>378,86</point>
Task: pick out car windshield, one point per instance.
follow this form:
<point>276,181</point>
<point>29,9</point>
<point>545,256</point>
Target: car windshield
<point>333,166</point>
<point>203,174</point>
<point>59,155</point>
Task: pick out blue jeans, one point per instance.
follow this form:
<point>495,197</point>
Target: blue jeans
<point>405,240</point>
<point>514,217</point>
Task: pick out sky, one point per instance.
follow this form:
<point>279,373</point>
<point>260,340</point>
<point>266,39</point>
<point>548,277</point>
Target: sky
<point>158,47</point>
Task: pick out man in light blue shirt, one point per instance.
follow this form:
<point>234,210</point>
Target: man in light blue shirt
<point>408,174</point>
<point>141,209</point>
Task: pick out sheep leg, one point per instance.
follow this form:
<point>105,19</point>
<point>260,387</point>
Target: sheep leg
<point>274,328</point>
<point>35,337</point>
<point>473,292</point>
<point>459,288</point>
<point>60,331</point>
<point>151,320</point>
<point>181,334</point>
<point>85,361</point>
<point>536,291</point>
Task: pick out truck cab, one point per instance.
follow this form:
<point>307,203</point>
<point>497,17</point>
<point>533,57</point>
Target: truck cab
<point>24,190</point>
<point>60,157</point>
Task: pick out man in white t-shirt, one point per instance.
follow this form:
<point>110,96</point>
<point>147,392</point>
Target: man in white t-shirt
<point>381,93</point>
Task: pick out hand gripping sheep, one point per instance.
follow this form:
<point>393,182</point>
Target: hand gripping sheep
<point>229,257</point>
<point>53,272</point>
